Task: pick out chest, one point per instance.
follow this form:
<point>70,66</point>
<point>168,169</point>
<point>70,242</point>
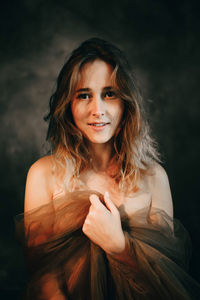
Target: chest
<point>127,203</point>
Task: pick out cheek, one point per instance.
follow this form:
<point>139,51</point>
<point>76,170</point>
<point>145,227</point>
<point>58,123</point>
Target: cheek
<point>77,112</point>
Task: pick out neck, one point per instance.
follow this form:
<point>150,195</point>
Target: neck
<point>101,156</point>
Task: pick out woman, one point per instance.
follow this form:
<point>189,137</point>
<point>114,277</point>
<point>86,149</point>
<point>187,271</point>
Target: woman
<point>98,210</point>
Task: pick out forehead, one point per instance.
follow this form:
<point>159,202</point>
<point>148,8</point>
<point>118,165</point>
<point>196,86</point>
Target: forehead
<point>96,73</point>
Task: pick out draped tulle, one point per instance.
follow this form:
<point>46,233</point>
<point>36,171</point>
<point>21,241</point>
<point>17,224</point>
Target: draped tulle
<point>64,264</point>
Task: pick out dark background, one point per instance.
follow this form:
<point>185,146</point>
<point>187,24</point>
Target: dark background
<point>160,39</point>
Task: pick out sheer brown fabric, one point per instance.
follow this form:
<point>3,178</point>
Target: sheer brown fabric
<point>64,264</point>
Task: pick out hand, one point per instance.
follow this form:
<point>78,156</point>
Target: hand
<point>103,225</point>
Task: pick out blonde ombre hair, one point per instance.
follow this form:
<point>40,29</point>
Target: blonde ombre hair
<point>133,147</point>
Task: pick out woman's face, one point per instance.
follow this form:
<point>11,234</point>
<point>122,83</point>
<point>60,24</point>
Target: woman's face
<point>96,109</point>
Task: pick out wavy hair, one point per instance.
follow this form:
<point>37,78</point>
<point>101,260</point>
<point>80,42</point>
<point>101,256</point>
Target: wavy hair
<point>133,147</point>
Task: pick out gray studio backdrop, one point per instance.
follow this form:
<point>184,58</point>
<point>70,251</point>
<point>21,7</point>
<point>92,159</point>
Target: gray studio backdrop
<point>160,40</point>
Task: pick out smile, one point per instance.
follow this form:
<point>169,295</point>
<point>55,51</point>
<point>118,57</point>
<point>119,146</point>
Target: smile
<point>98,124</point>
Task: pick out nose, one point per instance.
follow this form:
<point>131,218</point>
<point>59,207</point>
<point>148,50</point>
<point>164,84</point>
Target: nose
<point>98,106</point>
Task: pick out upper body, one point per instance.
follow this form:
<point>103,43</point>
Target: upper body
<point>101,142</point>
<point>104,137</point>
<point>42,188</point>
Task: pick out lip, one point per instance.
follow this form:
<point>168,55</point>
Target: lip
<point>98,128</point>
<point>99,122</point>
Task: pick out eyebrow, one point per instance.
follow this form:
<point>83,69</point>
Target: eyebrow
<point>107,88</point>
<point>83,90</point>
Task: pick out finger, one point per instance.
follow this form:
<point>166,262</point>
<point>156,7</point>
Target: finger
<point>87,221</point>
<point>109,204</point>
<point>85,227</point>
<point>95,201</point>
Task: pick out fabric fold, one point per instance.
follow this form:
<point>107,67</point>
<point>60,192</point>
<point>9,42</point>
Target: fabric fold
<point>63,262</point>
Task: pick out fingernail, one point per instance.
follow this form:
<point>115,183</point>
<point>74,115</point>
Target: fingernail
<point>107,194</point>
<point>93,197</point>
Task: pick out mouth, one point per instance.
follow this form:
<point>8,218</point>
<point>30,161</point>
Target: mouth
<point>95,124</point>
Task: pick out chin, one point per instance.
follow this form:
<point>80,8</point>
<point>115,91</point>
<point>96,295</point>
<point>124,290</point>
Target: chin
<point>99,140</point>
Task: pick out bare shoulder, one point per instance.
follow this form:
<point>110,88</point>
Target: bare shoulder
<point>39,183</point>
<point>42,165</point>
<point>158,184</point>
<point>158,174</point>
<point>41,169</point>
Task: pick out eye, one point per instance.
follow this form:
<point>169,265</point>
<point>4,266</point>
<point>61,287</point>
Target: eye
<point>84,96</point>
<point>110,95</point>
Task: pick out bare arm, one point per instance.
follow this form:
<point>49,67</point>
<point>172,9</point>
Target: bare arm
<point>160,190</point>
<point>38,184</point>
<point>39,191</point>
